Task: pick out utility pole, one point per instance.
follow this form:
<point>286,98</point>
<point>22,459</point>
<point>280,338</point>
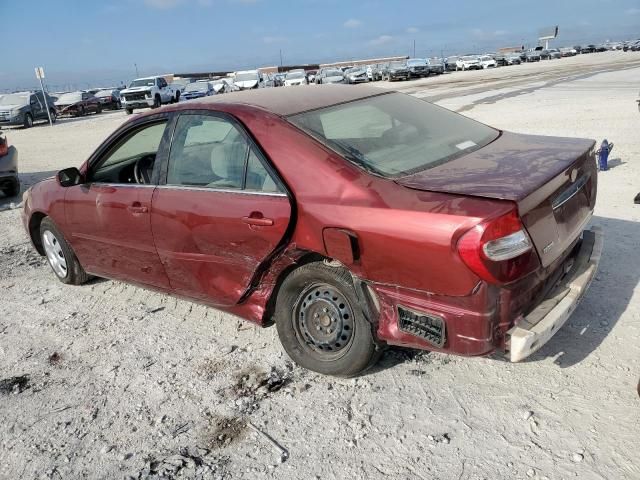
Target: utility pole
<point>40,76</point>
<point>280,57</point>
<point>414,49</point>
<point>136,65</point>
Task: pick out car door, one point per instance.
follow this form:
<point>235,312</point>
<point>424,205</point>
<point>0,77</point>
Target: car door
<point>108,216</point>
<point>36,108</point>
<point>219,211</point>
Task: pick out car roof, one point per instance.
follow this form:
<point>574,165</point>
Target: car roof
<point>289,101</point>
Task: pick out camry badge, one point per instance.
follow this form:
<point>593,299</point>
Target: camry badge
<point>547,248</point>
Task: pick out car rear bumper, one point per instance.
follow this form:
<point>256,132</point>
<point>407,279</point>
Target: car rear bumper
<point>9,163</point>
<point>532,331</point>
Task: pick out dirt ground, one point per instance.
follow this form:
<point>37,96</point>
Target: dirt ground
<point>110,381</point>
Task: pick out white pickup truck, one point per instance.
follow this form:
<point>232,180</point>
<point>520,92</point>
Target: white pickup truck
<point>148,92</point>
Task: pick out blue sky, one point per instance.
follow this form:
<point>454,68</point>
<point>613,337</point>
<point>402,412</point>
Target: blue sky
<point>83,43</point>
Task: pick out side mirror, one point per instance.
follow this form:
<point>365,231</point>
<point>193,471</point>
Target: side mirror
<point>69,177</point>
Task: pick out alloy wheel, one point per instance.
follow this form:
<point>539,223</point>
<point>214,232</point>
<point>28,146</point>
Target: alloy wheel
<point>54,253</point>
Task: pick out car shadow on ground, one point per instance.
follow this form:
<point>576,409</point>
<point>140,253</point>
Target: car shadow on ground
<point>605,301</point>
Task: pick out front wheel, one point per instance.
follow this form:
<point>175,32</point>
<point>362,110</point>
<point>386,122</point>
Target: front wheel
<point>99,108</point>
<point>60,256</point>
<point>321,324</point>
<point>54,115</point>
<point>12,190</point>
<point>129,111</point>
<point>157,103</point>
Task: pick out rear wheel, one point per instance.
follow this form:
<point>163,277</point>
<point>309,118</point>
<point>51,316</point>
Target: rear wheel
<point>60,256</point>
<point>157,102</point>
<point>99,108</point>
<point>28,120</point>
<point>321,324</point>
<point>54,115</point>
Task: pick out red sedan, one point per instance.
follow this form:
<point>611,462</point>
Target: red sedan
<point>352,217</point>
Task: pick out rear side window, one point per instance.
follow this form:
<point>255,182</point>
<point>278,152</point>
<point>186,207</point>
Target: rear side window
<point>211,152</point>
<point>395,134</point>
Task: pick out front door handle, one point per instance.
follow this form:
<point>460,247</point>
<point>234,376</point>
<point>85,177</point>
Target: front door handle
<point>257,219</point>
<point>137,207</point>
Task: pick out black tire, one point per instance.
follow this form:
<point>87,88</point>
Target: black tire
<point>54,115</point>
<point>157,103</point>
<point>177,96</point>
<point>99,108</point>
<point>28,120</point>
<point>13,190</point>
<point>82,111</point>
<point>327,295</point>
<point>75,274</point>
<point>129,111</point>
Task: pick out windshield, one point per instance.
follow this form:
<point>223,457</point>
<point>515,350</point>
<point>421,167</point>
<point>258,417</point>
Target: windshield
<point>468,58</point>
<point>395,134</point>
<point>486,59</point>
<point>196,87</point>
<point>396,64</point>
<point>70,97</point>
<point>247,77</point>
<point>103,93</point>
<point>294,75</point>
<point>15,99</point>
<point>143,82</point>
<point>417,62</point>
<point>333,73</point>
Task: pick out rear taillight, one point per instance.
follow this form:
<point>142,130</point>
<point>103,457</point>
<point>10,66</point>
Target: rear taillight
<point>499,250</point>
<point>4,147</point>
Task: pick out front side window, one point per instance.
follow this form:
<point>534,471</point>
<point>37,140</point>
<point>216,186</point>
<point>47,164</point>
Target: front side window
<point>139,146</point>
<point>395,134</point>
<point>212,152</point>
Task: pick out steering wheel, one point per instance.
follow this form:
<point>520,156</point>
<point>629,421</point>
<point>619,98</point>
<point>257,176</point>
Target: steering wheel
<point>143,169</point>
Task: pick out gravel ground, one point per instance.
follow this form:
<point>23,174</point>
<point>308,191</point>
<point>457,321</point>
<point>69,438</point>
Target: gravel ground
<point>111,381</point>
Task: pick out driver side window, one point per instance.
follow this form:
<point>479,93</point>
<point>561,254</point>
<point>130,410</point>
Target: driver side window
<point>117,166</point>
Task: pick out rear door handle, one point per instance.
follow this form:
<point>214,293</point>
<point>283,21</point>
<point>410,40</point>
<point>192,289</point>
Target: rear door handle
<point>257,219</point>
<point>137,207</point>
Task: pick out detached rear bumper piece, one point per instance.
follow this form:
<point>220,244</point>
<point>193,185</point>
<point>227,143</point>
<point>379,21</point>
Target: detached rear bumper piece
<point>531,332</point>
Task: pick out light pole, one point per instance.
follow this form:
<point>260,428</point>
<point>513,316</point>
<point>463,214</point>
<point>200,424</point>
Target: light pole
<point>280,57</point>
<point>136,65</point>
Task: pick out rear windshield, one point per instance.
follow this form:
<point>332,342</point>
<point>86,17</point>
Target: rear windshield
<point>395,134</point>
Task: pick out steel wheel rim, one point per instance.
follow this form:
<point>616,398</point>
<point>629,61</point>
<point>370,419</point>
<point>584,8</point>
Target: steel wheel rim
<point>324,321</point>
<point>54,253</point>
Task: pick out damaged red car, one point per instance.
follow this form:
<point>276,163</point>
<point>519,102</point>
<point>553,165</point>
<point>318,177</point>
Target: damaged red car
<point>353,218</point>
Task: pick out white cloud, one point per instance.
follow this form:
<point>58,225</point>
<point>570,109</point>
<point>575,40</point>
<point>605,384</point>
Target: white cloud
<point>162,4</point>
<point>352,23</point>
<point>633,11</point>
<point>412,30</point>
<point>381,40</point>
<point>273,39</point>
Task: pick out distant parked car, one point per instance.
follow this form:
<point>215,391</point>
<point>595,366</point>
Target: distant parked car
<point>109,98</point>
<point>78,104</point>
<point>149,92</point>
<point>9,181</point>
<point>450,63</point>
<point>248,79</point>
<point>224,85</point>
<point>25,108</point>
<point>197,90</point>
<point>532,56</point>
<point>468,62</point>
<point>311,76</point>
<point>418,67</point>
<point>578,49</point>
<point>487,61</point>
<point>436,66</point>
<point>294,78</point>
<point>551,54</point>
<point>568,52</point>
<point>356,75</point>
<point>329,75</point>
<point>601,47</point>
<point>588,49</point>
<point>396,71</point>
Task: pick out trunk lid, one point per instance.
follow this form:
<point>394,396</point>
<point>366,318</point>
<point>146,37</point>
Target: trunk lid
<point>552,180</point>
